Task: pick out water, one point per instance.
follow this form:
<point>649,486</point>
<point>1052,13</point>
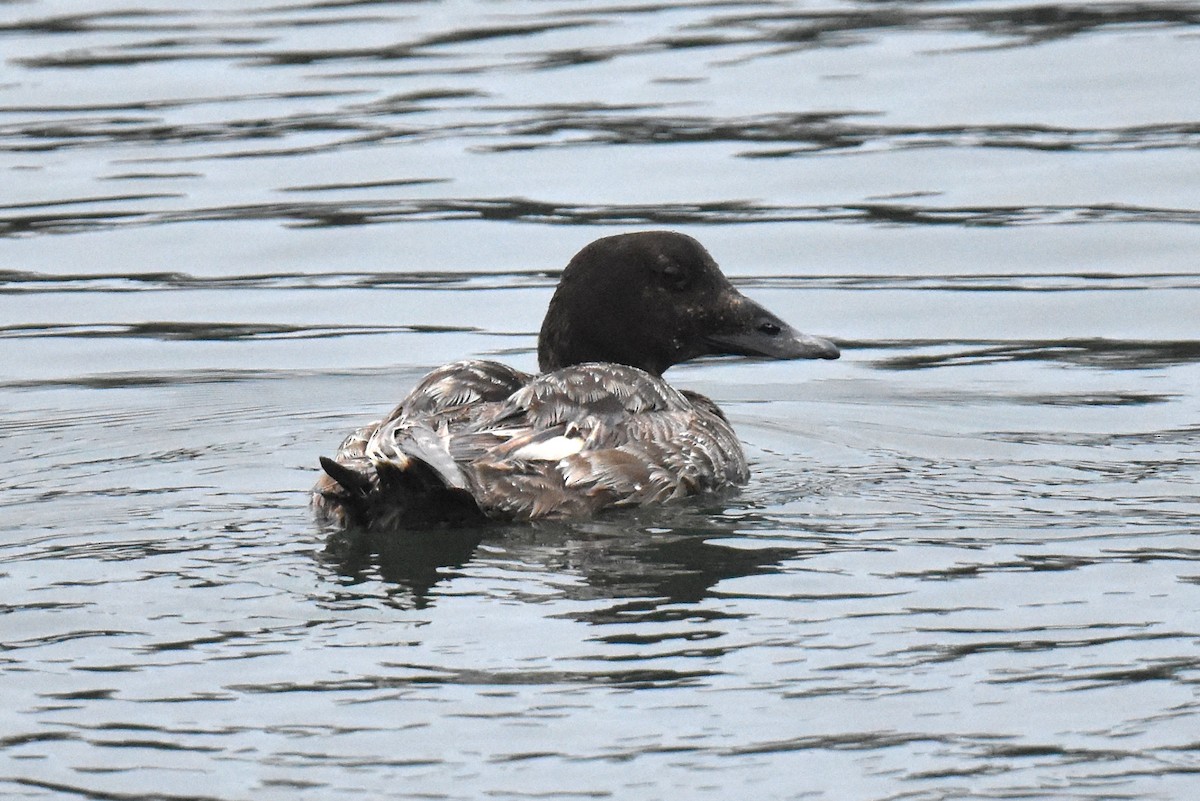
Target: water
<point>967,565</point>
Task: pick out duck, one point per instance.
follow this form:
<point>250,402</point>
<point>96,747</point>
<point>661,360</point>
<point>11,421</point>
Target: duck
<point>596,428</point>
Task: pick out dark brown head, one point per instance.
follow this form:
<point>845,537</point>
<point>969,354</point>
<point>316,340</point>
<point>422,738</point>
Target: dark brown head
<point>655,299</point>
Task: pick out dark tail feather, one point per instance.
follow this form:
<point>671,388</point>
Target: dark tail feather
<point>421,491</point>
<point>342,497</point>
<point>349,479</point>
<point>398,498</point>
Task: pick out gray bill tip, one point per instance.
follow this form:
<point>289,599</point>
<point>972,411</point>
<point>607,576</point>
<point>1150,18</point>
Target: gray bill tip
<point>814,347</point>
<point>773,339</point>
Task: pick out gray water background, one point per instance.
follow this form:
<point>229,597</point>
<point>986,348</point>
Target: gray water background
<point>967,563</point>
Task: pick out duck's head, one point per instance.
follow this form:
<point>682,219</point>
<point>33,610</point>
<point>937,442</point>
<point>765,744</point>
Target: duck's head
<point>654,299</point>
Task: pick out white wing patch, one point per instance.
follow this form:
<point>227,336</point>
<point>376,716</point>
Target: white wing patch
<point>550,450</point>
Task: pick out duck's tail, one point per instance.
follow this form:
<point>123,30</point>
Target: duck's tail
<point>417,486</point>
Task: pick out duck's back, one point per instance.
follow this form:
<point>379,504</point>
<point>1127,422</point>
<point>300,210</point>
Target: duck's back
<point>480,435</point>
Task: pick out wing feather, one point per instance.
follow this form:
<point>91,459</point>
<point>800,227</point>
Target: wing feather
<point>562,444</point>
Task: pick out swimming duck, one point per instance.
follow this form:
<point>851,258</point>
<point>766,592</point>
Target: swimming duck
<point>598,427</point>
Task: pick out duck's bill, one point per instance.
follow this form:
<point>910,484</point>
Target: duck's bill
<point>787,343</point>
<point>768,337</point>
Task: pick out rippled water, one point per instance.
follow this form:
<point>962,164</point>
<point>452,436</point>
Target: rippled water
<point>967,565</point>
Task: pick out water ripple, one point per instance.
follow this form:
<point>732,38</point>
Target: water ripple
<point>30,282</point>
<point>1098,353</point>
<point>823,133</point>
<point>731,212</point>
<point>966,563</point>
<point>212,331</point>
<point>538,127</point>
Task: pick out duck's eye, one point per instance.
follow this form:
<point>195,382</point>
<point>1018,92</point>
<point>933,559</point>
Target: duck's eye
<point>770,329</point>
<point>673,275</point>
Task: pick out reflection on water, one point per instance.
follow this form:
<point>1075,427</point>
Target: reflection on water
<point>674,556</point>
<point>966,566</point>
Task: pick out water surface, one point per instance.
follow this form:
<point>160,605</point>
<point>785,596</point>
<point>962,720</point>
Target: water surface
<point>967,565</point>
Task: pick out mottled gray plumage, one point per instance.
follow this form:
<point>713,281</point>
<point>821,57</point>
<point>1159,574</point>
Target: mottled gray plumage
<point>598,428</point>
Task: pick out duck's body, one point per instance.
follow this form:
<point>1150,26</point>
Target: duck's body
<point>515,446</point>
<point>598,428</point>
